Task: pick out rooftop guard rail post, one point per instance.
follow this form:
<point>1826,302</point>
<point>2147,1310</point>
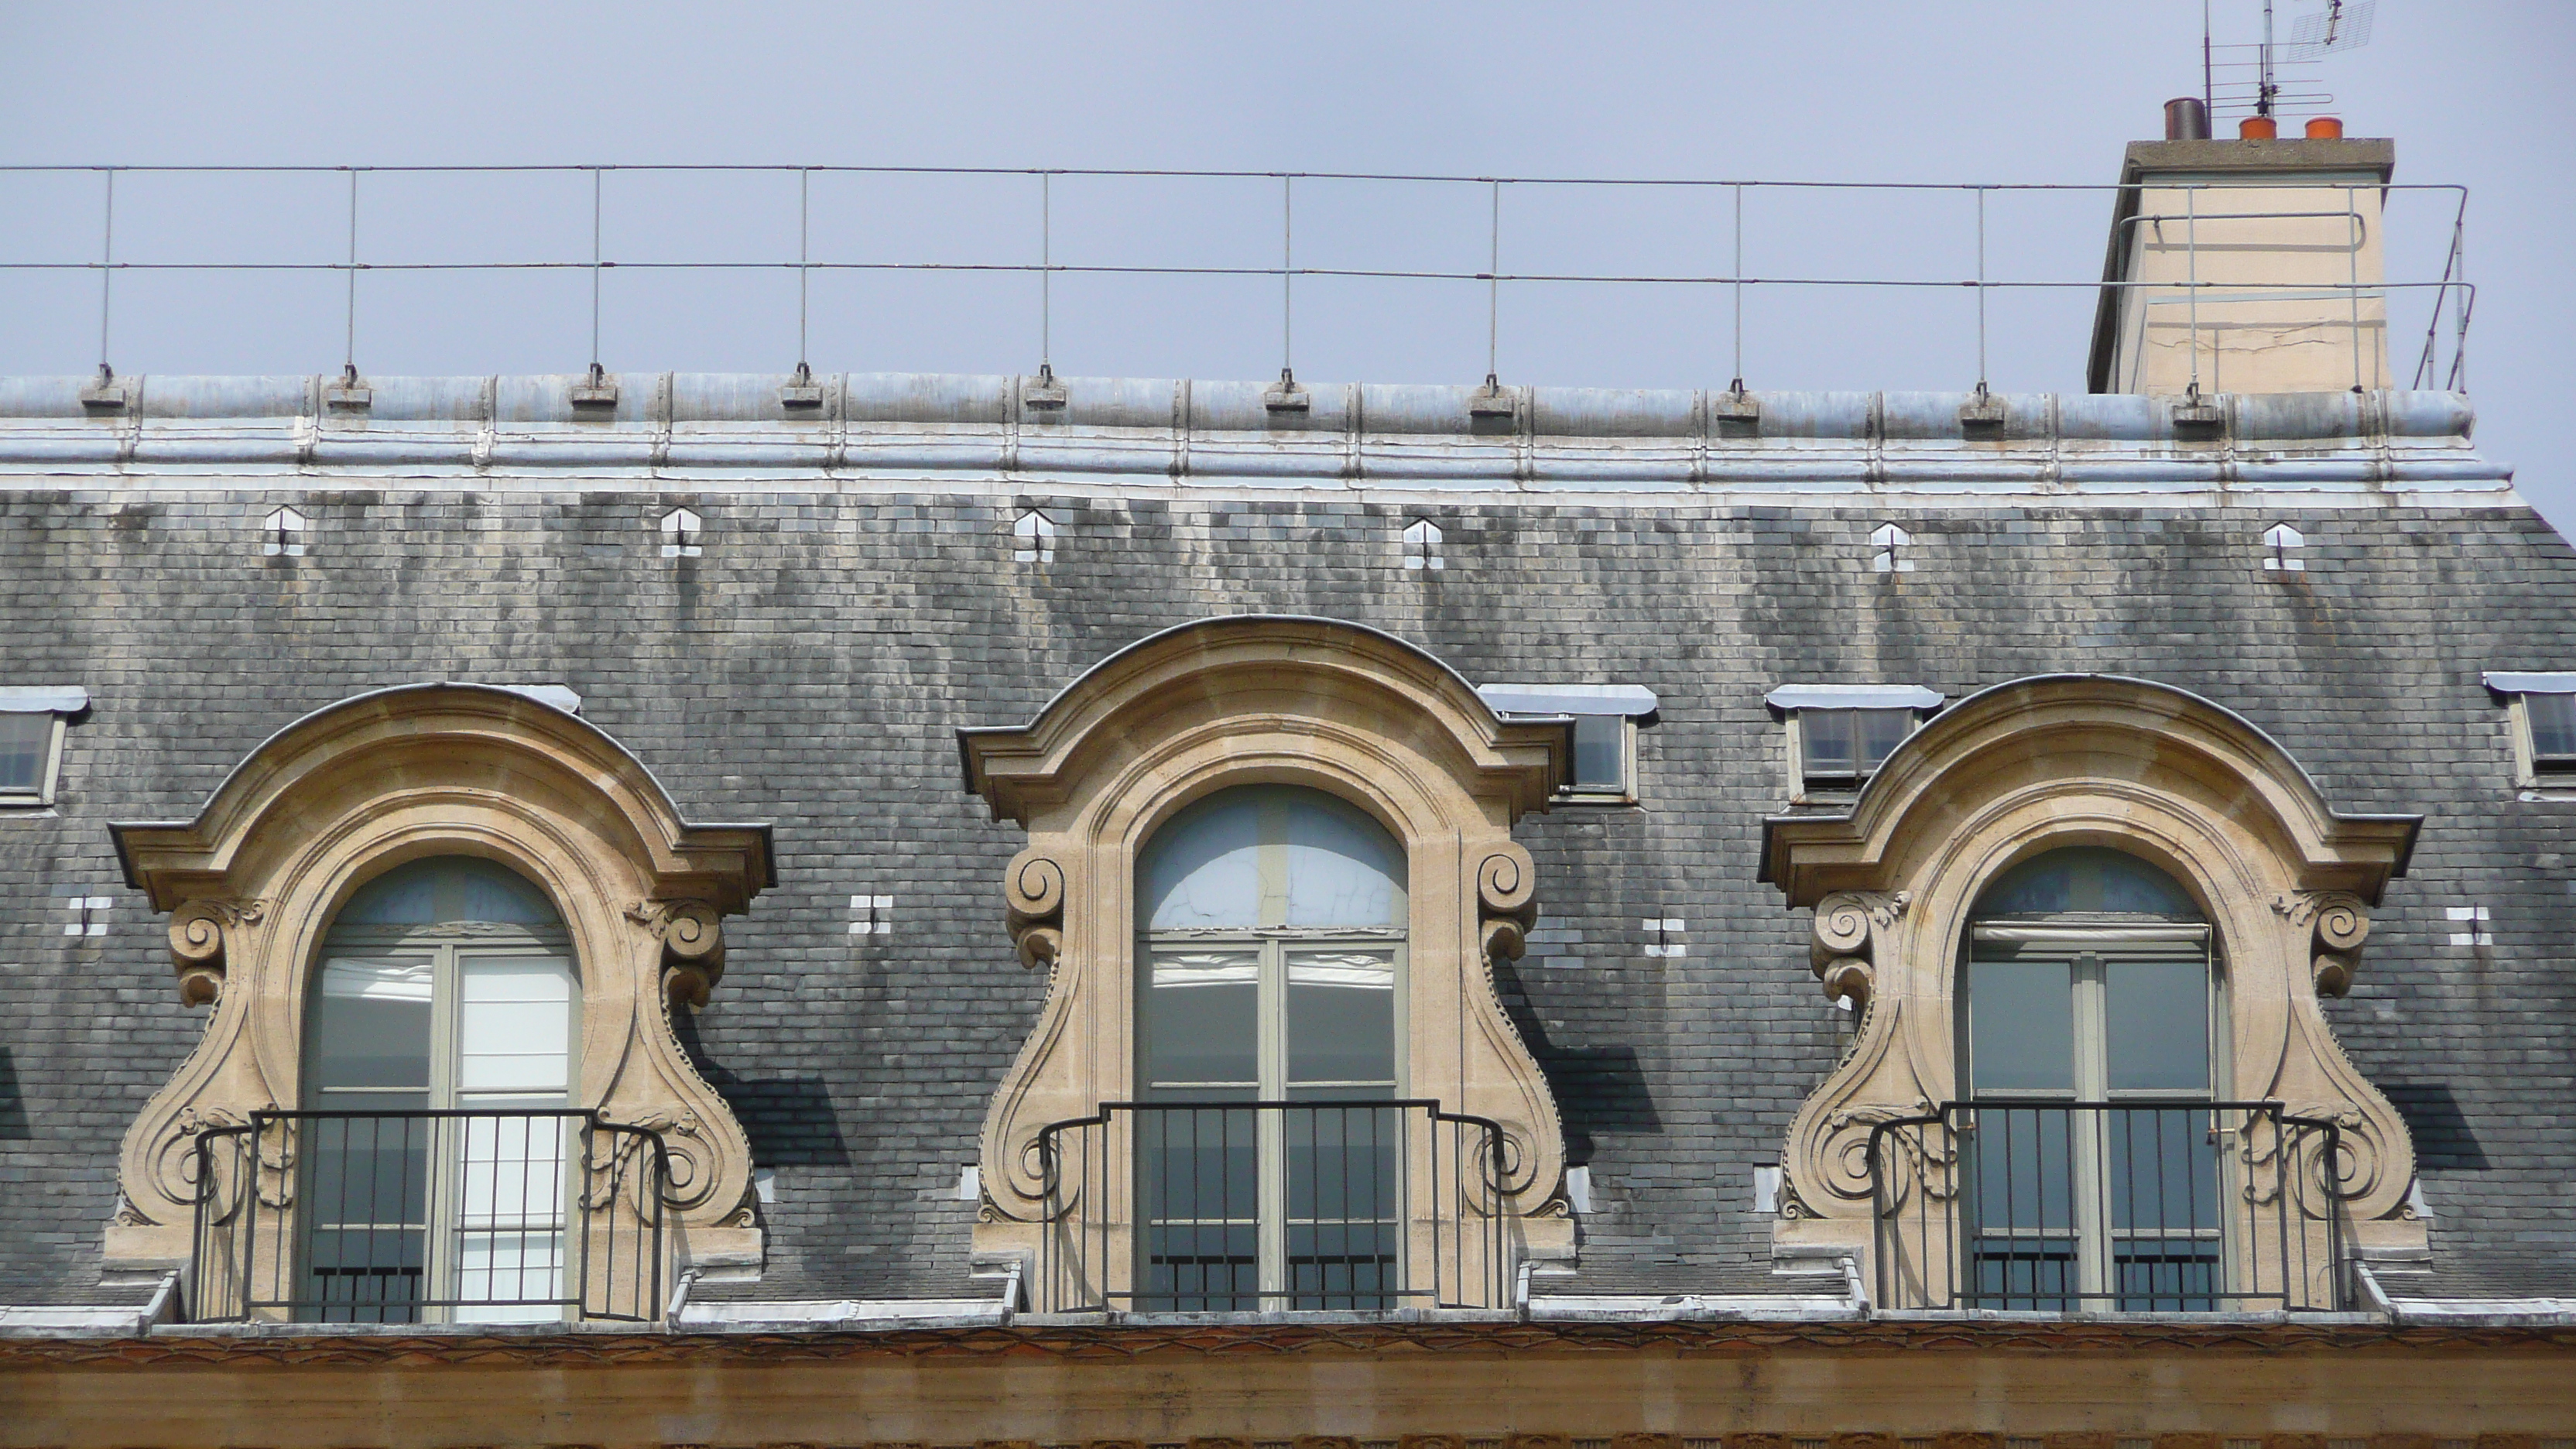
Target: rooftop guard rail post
<point>497,1215</point>
<point>2451,289</point>
<point>1243,1206</point>
<point>2145,1205</point>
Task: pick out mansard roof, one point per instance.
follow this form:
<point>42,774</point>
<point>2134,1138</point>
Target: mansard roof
<point>856,602</point>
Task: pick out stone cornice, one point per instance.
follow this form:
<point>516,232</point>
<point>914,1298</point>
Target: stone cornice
<point>1122,1342</point>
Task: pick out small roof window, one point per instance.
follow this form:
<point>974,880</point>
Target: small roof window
<point>2543,708</point>
<point>1841,733</point>
<point>31,739</point>
<point>1606,717</point>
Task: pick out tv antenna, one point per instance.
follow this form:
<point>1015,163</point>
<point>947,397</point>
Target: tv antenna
<point>2271,75</point>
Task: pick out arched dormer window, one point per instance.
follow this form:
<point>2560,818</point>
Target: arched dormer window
<point>1268,860</point>
<point>1271,925</point>
<point>2088,920</point>
<point>439,1052</point>
<point>2089,1005</point>
<point>455,912</point>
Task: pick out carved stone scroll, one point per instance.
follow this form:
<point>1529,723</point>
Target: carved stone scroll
<point>1033,898</point>
<point>692,937</point>
<point>1847,931</point>
<point>197,944</point>
<point>2339,923</point>
<point>1507,895</point>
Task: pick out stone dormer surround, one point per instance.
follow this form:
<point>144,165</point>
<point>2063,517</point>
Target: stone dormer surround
<point>352,790</point>
<point>1270,700</point>
<point>2286,881</point>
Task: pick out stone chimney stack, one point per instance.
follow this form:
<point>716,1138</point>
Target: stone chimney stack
<point>2248,266</point>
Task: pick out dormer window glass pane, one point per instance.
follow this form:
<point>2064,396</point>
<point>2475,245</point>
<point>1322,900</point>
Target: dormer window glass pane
<point>2156,1020</point>
<point>1341,1023</point>
<point>26,742</point>
<point>2022,1033</point>
<point>1881,731</point>
<point>2553,730</point>
<point>1601,752</point>
<point>1268,856</point>
<point>1849,744</point>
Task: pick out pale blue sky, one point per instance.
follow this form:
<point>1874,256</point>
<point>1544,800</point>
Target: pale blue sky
<point>2474,91</point>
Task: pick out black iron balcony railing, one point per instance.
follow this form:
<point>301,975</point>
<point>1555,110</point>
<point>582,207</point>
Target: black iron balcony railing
<point>461,1216</point>
<point>2136,1206</point>
<point>1242,1207</point>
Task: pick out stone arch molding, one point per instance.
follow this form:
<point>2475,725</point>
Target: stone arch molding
<point>352,790</point>
<point>2287,882</point>
<point>1268,699</point>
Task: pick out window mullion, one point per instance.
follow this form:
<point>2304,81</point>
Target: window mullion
<point>2088,1166</point>
<point>1270,1126</point>
<point>446,1135</point>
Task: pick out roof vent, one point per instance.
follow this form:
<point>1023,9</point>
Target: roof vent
<point>1889,544</point>
<point>1033,538</point>
<point>2281,545</point>
<point>282,534</point>
<point>683,534</point>
<point>1422,545</point>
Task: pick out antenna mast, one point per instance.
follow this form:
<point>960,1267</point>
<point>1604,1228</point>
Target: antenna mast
<point>2265,87</point>
<point>2208,89</point>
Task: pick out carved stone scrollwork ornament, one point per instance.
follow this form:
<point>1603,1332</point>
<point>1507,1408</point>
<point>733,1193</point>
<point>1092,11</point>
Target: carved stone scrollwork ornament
<point>692,936</point>
<point>1848,978</point>
<point>2339,923</point>
<point>197,950</point>
<point>1848,927</point>
<point>1507,894</point>
<point>1033,899</point>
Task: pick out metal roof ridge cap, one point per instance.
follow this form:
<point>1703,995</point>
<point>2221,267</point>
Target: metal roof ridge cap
<point>1676,413</point>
